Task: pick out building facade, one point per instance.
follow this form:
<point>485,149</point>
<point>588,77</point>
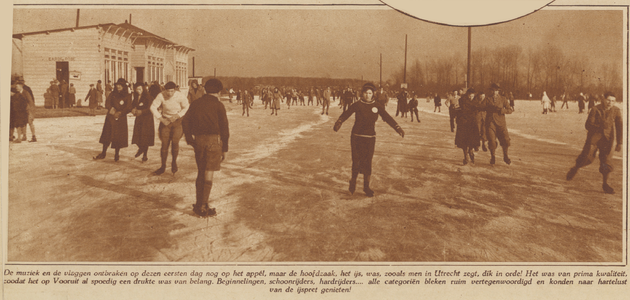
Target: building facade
<point>106,52</point>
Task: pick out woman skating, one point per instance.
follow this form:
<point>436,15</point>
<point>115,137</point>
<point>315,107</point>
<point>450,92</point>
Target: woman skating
<point>144,127</point>
<point>363,135</point>
<point>115,131</point>
<point>467,134</point>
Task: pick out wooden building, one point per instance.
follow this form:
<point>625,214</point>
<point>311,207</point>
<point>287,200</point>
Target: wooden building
<point>83,55</point>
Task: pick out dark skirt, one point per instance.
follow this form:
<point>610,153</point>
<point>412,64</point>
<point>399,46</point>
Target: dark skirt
<point>144,130</point>
<point>115,132</point>
<point>362,153</point>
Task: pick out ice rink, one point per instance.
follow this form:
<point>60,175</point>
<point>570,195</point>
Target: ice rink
<point>282,195</point>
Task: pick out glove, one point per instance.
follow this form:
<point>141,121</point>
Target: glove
<point>117,115</point>
<point>400,131</point>
<point>618,148</point>
<point>337,126</point>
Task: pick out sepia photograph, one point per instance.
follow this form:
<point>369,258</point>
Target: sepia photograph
<point>315,134</point>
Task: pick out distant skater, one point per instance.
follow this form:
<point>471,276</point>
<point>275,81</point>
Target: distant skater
<point>413,107</point>
<point>437,101</point>
<point>363,136</point>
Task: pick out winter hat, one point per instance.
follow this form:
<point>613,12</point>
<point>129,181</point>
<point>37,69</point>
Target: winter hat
<point>122,82</point>
<point>170,85</point>
<point>368,86</point>
<point>213,86</point>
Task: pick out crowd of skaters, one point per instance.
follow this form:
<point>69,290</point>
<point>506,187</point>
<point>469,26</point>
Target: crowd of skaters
<point>476,119</point>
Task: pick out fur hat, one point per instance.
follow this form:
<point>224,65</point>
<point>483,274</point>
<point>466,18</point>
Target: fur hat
<point>495,86</point>
<point>213,86</point>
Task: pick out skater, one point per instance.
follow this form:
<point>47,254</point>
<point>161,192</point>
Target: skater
<point>496,107</point>
<point>363,135</point>
<point>437,101</point>
<point>402,103</point>
<point>247,100</point>
<point>99,93</point>
<point>413,107</point>
<point>565,101</point>
<point>144,127</point>
<point>467,135</point>
<point>206,128</point>
<point>275,104</point>
<point>546,103</point>
<point>19,116</point>
<point>174,106</point>
<point>326,101</point>
<point>581,103</point>
<point>91,99</point>
<point>480,119</point>
<point>195,92</point>
<point>604,125</point>
<point>511,98</point>
<point>30,108</point>
<point>452,102</point>
<point>115,131</point>
<point>382,97</point>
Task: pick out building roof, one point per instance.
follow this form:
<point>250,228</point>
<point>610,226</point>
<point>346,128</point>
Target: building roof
<point>21,35</point>
<point>140,34</point>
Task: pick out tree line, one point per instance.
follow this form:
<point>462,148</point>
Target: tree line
<point>302,83</point>
<point>521,72</point>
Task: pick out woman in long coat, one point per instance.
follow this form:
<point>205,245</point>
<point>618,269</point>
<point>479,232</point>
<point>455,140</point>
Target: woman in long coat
<point>467,134</point>
<point>363,136</point>
<point>275,104</point>
<point>118,105</point>
<point>19,115</point>
<point>144,127</point>
<point>546,103</point>
<point>72,100</point>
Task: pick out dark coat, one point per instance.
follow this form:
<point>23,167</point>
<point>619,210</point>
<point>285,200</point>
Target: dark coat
<point>144,127</point>
<point>19,115</point>
<point>467,134</point>
<point>115,131</point>
<point>91,98</point>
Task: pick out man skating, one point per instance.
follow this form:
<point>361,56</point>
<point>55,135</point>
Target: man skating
<point>604,124</point>
<point>496,107</point>
<point>174,106</point>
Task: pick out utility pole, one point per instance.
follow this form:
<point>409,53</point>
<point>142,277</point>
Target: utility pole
<point>405,69</point>
<point>78,14</point>
<point>468,64</point>
<point>380,79</point>
<point>215,72</point>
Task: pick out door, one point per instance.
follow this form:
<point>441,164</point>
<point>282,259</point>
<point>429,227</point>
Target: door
<point>139,74</point>
<point>62,71</point>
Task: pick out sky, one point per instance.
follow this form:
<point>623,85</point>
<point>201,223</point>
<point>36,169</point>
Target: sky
<point>337,42</point>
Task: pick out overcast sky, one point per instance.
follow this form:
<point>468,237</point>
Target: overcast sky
<point>337,42</point>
